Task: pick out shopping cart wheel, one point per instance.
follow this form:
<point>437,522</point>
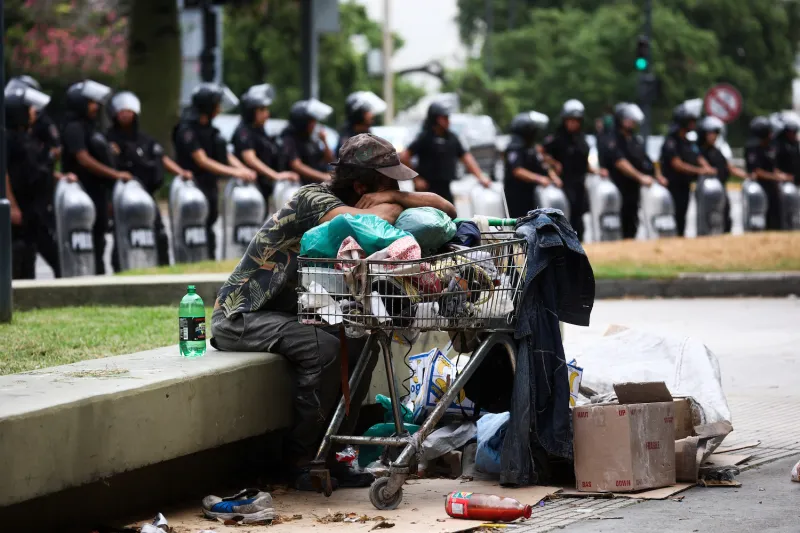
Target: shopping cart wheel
<point>377,495</point>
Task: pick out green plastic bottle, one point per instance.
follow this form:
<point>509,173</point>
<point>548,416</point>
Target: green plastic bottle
<point>192,324</point>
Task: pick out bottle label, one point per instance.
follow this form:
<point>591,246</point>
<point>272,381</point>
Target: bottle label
<point>458,504</point>
<point>192,329</point>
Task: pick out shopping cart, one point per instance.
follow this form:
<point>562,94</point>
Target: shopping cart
<point>472,290</point>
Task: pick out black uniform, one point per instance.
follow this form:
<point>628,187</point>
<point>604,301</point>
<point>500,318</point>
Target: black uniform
<point>26,179</point>
<point>142,156</point>
<point>438,157</point>
<point>572,151</point>
<point>297,145</point>
<point>787,156</point>
<point>267,150</point>
<point>521,195</point>
<point>761,156</point>
<point>47,138</point>
<point>82,134</point>
<point>717,160</point>
<point>679,183</point>
<point>189,136</point>
<point>632,149</point>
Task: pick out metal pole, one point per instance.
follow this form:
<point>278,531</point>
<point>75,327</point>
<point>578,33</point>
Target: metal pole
<point>388,73</point>
<point>646,102</point>
<point>512,14</point>
<point>208,58</point>
<point>487,47</point>
<point>5,205</point>
<point>310,42</point>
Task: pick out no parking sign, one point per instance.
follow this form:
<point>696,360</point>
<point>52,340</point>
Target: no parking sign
<point>724,102</point>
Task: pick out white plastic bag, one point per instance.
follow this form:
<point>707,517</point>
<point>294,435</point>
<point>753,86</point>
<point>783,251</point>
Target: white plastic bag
<point>796,473</point>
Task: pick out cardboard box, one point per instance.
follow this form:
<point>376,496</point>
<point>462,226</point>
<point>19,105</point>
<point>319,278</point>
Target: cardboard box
<point>626,446</point>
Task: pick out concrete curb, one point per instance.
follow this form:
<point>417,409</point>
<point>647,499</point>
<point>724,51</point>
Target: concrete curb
<point>732,285</point>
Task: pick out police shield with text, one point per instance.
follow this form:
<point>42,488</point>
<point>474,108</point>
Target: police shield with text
<point>681,161</point>
<point>628,165</point>
<point>253,146</point>
<point>760,159</point>
<point>525,167</point>
<point>305,146</point>
<point>200,148</point>
<point>568,147</point>
<point>140,154</point>
<point>88,154</point>
<point>709,130</point>
<point>360,109</point>
<point>48,149</point>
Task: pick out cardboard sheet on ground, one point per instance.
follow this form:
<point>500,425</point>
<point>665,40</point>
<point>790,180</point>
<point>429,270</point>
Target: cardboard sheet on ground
<point>422,508</point>
<point>655,494</point>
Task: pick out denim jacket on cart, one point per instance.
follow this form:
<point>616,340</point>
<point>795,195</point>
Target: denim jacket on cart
<point>559,286</point>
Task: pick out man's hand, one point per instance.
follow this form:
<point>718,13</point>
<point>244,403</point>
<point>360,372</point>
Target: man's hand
<point>646,180</point>
<point>246,174</point>
<point>115,148</point>
<point>322,135</point>
<point>16,216</point>
<point>603,172</point>
<point>377,198</point>
<point>124,175</point>
<point>662,180</point>
<point>421,184</point>
<point>288,175</point>
<point>557,181</point>
<point>484,181</point>
<point>186,175</point>
<point>709,171</point>
<point>69,177</point>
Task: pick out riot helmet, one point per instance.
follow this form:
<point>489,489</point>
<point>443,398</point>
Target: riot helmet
<point>761,128</point>
<point>256,97</point>
<point>628,116</point>
<point>359,103</point>
<point>573,109</point>
<point>709,125</point>
<point>207,96</point>
<point>24,81</point>
<point>684,115</point>
<point>529,124</point>
<point>791,121</point>
<point>80,94</point>
<point>304,112</point>
<point>18,103</point>
<point>124,109</point>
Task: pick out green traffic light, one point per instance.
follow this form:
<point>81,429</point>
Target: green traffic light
<point>641,63</point>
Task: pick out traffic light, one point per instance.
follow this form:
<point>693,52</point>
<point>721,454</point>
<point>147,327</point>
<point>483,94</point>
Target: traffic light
<point>642,53</point>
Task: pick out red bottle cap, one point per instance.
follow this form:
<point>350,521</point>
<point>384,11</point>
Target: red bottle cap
<point>527,511</point>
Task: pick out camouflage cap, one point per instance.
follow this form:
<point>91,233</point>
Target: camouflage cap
<point>366,150</point>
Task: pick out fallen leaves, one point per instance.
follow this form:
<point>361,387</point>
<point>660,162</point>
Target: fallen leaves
<point>355,518</point>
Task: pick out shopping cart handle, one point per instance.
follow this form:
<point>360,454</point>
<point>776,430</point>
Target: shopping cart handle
<point>492,221</point>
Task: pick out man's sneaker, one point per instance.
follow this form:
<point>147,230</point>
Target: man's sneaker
<point>247,507</point>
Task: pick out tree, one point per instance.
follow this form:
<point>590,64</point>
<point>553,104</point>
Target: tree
<point>154,53</point>
<point>262,44</point>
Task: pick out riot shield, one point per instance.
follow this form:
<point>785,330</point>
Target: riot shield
<point>243,212</point>
<point>188,212</point>
<point>552,197</point>
<point>658,211</point>
<point>605,204</point>
<point>710,198</point>
<point>790,208</point>
<point>134,226</point>
<point>489,202</point>
<point>754,206</point>
<point>281,194</point>
<point>75,215</point>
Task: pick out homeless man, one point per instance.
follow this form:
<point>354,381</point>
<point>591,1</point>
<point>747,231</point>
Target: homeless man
<point>256,309</point>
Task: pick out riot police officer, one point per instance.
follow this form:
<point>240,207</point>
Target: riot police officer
<point>525,167</point>
<point>787,156</point>
<point>140,154</point>
<point>681,161</point>
<point>46,136</point>
<point>253,146</point>
<point>628,164</point>
<point>360,110</point>
<point>438,149</point>
<point>570,154</point>
<point>760,159</point>
<point>200,148</point>
<point>88,155</point>
<point>708,130</point>
<point>306,150</point>
<point>25,177</point>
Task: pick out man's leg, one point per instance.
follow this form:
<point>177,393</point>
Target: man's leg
<point>680,195</point>
<point>162,240</point>
<point>629,214</point>
<point>99,196</point>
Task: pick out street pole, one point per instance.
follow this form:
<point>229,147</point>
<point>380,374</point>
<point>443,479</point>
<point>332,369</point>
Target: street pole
<point>645,76</point>
<point>5,205</point>
<point>388,73</point>
<point>208,58</point>
<point>512,14</point>
<point>487,47</point>
<point>309,63</point>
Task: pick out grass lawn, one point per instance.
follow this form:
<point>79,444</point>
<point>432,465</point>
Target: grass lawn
<point>51,337</point>
<point>663,258</point>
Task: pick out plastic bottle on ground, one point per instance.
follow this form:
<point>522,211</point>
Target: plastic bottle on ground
<point>192,324</point>
<point>485,507</point>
